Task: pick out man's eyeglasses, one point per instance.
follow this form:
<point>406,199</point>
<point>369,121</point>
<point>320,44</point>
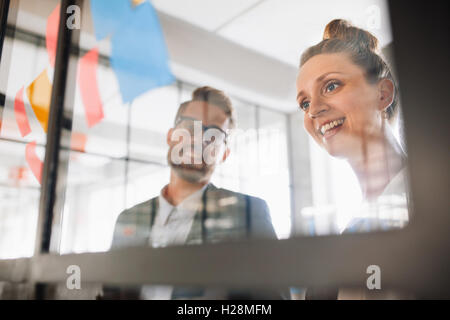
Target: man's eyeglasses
<point>188,123</point>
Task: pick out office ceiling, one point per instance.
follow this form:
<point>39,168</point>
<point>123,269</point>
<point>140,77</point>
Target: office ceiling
<point>280,29</point>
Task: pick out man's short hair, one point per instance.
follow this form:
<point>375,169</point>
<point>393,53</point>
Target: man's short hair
<point>213,97</point>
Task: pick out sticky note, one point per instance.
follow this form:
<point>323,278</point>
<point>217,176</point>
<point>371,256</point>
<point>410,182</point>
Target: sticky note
<point>20,114</point>
<point>51,34</point>
<point>139,55</point>
<point>90,94</point>
<point>33,160</point>
<point>108,16</point>
<point>78,142</point>
<point>39,94</point>
<point>137,2</point>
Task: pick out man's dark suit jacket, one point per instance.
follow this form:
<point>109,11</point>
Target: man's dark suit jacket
<point>228,216</point>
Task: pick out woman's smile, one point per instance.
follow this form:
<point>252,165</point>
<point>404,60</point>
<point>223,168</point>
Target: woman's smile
<point>330,128</point>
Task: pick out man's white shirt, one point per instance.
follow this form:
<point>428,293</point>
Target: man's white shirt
<point>171,227</point>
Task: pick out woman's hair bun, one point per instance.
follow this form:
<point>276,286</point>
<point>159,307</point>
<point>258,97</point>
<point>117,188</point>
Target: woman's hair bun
<point>344,30</point>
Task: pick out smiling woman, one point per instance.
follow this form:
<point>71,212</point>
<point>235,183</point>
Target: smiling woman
<point>349,96</point>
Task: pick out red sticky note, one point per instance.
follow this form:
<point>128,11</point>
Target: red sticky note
<point>20,114</point>
<point>51,34</point>
<point>90,94</point>
<point>33,160</point>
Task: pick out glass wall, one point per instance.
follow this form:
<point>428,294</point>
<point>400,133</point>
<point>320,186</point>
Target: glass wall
<point>26,75</point>
<point>115,159</point>
<point>124,163</point>
<point>116,151</point>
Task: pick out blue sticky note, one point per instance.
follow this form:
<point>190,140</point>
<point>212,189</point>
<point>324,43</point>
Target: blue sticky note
<point>109,15</point>
<point>139,55</point>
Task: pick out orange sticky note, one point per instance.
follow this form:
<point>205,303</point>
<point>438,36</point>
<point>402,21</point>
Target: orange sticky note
<point>137,2</point>
<point>39,94</point>
<point>78,141</point>
<point>17,174</point>
<point>20,114</point>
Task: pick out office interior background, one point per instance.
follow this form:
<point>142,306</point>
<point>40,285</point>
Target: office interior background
<point>250,49</point>
<point>112,153</point>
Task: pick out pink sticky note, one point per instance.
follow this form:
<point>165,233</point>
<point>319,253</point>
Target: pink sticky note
<point>51,34</point>
<point>78,141</point>
<point>90,95</point>
<point>20,114</point>
<point>33,160</point>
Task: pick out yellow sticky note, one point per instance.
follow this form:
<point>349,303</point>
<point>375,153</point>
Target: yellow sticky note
<point>39,94</point>
<point>137,2</point>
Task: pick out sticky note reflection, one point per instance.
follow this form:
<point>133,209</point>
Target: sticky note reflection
<point>39,94</point>
<point>139,55</point>
<point>33,160</point>
<point>20,114</point>
<point>51,34</point>
<point>90,95</point>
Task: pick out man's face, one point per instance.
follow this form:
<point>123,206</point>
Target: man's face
<point>197,142</point>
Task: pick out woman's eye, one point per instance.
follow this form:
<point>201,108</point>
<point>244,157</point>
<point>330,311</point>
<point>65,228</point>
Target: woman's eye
<point>304,105</point>
<point>331,87</point>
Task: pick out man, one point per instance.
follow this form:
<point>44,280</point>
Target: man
<point>189,209</point>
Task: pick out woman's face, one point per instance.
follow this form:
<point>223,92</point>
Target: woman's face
<point>342,109</point>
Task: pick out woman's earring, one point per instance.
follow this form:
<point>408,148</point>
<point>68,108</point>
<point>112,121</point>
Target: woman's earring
<point>385,114</point>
